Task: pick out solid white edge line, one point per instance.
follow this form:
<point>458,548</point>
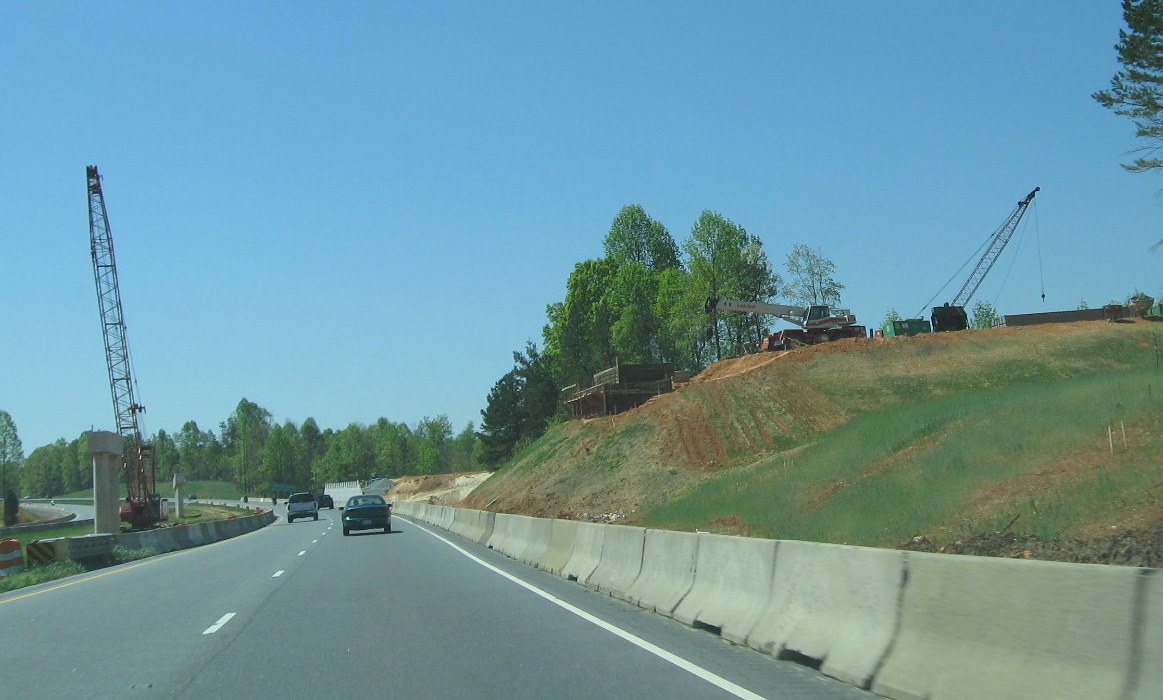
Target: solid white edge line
<point>218,625</point>
<point>691,668</point>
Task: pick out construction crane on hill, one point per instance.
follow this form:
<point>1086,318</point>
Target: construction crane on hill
<point>143,505</point>
<point>951,316</point>
<point>818,323</point>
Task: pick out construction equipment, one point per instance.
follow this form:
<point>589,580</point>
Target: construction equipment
<point>143,506</point>
<point>818,323</point>
<point>951,316</point>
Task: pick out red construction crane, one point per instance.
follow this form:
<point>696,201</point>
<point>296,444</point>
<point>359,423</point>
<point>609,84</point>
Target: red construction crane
<point>143,506</point>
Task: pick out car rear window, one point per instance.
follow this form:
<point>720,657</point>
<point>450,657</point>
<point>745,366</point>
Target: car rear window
<point>367,501</point>
<point>302,498</point>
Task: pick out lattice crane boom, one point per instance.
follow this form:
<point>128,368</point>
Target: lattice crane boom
<point>997,243</point>
<point>142,506</point>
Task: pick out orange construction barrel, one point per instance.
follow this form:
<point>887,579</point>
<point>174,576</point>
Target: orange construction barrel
<point>11,557</point>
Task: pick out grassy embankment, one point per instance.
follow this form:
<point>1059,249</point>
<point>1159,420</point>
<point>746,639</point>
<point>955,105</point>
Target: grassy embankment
<point>961,439</point>
<point>205,490</point>
<point>874,442</point>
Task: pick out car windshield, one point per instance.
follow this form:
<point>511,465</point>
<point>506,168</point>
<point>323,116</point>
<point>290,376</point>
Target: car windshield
<point>365,501</point>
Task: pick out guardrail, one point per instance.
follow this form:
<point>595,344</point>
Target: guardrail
<point>902,624</point>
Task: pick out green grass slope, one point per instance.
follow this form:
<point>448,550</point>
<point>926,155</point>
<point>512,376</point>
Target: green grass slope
<point>1055,431</point>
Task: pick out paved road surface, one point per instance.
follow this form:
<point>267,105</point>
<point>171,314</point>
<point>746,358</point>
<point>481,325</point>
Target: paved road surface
<point>300,611</point>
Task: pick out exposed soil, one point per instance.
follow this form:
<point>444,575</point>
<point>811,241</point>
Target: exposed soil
<point>436,489</point>
<point>1140,547</point>
<point>612,468</point>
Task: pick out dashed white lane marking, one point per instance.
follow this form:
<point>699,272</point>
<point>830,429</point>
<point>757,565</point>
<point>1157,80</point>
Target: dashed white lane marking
<point>302,553</point>
<point>691,668</point>
<point>218,625</point>
<point>314,541</point>
<point>278,573</point>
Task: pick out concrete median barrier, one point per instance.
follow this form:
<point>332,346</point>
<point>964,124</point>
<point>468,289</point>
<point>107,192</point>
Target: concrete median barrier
<point>523,532</point>
<point>560,549</point>
<point>505,533</point>
<point>621,560</point>
<point>833,603</point>
<point>463,521</point>
<point>668,570</point>
<point>488,519</point>
<point>170,539</point>
<point>538,542</point>
<point>732,586</point>
<point>587,552</point>
<point>905,625</point>
<point>446,516</point>
<point>976,627</point>
<point>1147,675</point>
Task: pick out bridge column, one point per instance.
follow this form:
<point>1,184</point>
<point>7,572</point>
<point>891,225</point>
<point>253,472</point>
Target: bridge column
<point>108,456</point>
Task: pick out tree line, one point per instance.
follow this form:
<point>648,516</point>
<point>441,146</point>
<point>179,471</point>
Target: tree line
<point>644,301</point>
<point>254,452</point>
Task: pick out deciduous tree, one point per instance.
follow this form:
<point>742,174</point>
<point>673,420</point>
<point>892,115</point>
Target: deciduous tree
<point>810,278</point>
<point>634,237</point>
<point>983,315</point>
<point>726,262</point>
<point>11,458</point>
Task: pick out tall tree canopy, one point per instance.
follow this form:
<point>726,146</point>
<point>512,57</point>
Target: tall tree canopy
<point>634,237</point>
<point>11,456</point>
<point>244,433</point>
<point>520,406</point>
<point>810,278</point>
<point>580,330</point>
<point>726,262</point>
<point>501,420</point>
<point>1137,90</point>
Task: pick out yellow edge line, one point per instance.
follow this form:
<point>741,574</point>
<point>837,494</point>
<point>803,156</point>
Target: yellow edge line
<point>143,562</point>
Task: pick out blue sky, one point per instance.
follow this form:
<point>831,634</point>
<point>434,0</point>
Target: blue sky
<point>350,210</point>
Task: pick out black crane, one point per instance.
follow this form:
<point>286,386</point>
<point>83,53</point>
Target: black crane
<point>951,316</point>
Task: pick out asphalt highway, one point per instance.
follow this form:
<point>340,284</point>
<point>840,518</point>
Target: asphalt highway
<point>300,611</point>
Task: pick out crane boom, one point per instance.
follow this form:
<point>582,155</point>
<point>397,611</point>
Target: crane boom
<point>816,316</point>
<point>952,316</point>
<point>997,243</point>
<point>142,506</point>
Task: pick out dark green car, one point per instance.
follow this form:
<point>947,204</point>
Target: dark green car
<point>366,512</point>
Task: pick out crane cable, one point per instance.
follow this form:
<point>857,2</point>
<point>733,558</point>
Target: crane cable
<point>1038,240</point>
<point>972,256</point>
<point>1014,259</point>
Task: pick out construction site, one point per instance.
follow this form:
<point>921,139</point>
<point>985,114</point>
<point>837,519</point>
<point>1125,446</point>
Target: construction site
<point>1052,431</point>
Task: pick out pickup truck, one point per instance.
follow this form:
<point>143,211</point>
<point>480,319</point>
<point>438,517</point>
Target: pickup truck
<point>302,505</point>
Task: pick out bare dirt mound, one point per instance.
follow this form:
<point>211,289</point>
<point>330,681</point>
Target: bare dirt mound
<point>437,489</point>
